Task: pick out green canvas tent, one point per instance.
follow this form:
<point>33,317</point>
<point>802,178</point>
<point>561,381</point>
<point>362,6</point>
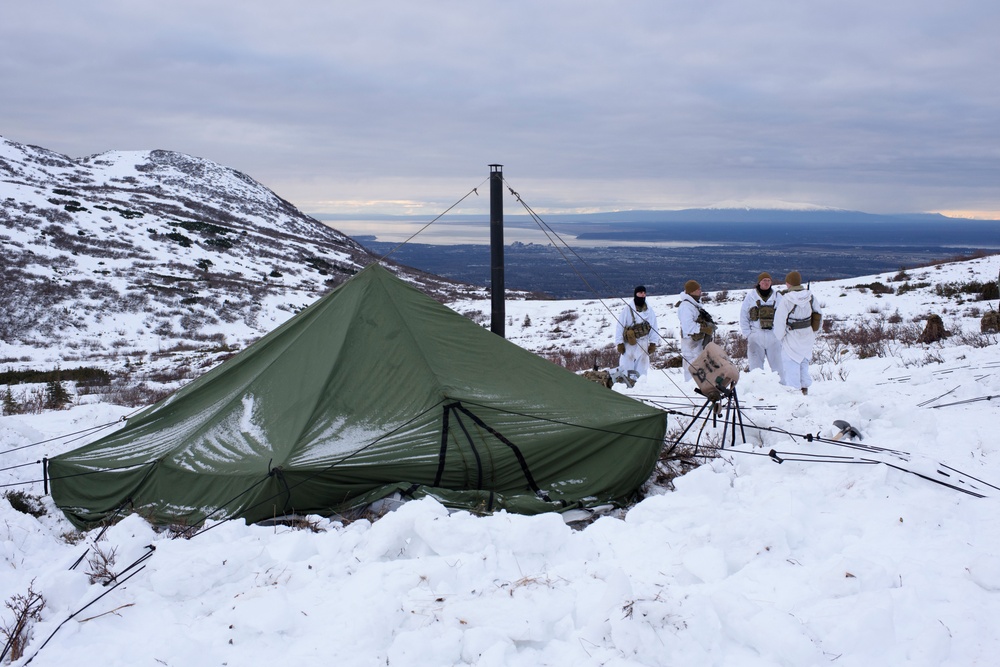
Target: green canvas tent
<point>375,388</point>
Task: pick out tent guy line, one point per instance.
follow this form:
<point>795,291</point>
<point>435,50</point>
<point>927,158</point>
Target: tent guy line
<point>549,234</point>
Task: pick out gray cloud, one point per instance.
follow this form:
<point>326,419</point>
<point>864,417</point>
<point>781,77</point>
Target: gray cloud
<point>886,107</point>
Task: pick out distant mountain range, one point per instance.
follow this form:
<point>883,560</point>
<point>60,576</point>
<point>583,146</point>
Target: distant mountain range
<point>739,225</point>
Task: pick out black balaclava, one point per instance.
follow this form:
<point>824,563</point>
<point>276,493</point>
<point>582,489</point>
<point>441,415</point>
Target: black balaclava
<point>640,301</point>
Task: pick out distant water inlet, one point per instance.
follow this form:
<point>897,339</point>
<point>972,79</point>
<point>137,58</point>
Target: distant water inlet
<point>614,271</point>
<point>478,233</point>
<point>609,259</point>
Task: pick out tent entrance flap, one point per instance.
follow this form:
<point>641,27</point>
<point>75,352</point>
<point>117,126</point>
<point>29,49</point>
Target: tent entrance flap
<point>456,409</point>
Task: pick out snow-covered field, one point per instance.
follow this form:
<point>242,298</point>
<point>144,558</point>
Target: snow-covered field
<point>837,556</point>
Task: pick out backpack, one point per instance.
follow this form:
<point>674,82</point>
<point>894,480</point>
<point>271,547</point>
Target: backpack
<point>814,320</point>
<point>713,372</point>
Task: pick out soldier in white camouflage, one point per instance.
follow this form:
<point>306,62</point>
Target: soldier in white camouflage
<point>635,333</point>
<point>757,324</point>
<point>697,326</point>
<point>796,321</point>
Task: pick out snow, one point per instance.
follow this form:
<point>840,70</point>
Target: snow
<point>817,560</point>
<point>106,301</point>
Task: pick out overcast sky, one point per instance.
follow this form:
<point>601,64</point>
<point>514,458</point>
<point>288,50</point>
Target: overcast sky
<point>391,106</point>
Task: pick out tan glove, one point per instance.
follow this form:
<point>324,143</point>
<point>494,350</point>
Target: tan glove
<point>621,348</point>
<point>651,349</point>
<point>707,329</point>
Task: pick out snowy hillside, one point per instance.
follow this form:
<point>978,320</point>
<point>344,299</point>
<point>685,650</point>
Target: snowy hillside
<point>879,551</point>
<point>119,255</point>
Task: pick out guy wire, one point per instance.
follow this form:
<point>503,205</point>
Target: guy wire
<point>441,215</point>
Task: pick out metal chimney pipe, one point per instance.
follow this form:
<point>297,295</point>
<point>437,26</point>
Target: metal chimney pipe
<point>498,314</point>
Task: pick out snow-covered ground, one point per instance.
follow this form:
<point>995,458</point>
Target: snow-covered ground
<point>838,556</point>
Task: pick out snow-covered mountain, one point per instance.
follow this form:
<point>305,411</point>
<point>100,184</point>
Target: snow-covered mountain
<point>128,252</point>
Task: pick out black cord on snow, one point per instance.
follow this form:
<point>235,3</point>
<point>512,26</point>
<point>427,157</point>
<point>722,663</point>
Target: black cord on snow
<point>108,522</point>
<point>117,583</point>
<point>805,457</point>
<point>968,400</point>
<point>931,400</point>
<point>23,465</point>
<point>945,371</point>
<point>60,437</point>
<point>965,474</point>
<point>76,474</point>
<point>871,449</point>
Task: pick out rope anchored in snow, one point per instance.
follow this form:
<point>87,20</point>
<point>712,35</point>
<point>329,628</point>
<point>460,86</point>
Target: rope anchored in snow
<point>933,471</point>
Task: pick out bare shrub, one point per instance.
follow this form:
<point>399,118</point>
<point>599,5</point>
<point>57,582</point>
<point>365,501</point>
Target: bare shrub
<point>164,330</point>
<point>477,316</point>
<point>932,357</point>
<point>901,276</point>
<point>168,375</point>
<point>679,458</point>
<point>869,339</point>
<point>909,287</point>
<point>604,357</point>
<point>27,610</point>
<point>33,401</point>
<point>735,345</point>
<point>566,316</point>
<point>100,566</point>
<point>827,372</point>
<point>877,288</point>
<point>25,503</point>
<point>976,339</point>
<point>830,350</point>
<point>907,333</point>
<point>980,290</point>
<point>135,395</point>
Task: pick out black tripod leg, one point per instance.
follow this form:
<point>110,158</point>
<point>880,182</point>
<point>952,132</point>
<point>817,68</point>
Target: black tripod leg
<point>725,424</point>
<point>739,415</point>
<point>688,427</point>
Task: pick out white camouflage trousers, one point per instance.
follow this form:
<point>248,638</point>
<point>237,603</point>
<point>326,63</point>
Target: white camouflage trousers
<point>763,344</point>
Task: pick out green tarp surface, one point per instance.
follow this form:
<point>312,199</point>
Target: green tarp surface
<point>375,388</point>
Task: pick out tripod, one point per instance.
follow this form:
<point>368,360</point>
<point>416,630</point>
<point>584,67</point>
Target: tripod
<point>733,415</point>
